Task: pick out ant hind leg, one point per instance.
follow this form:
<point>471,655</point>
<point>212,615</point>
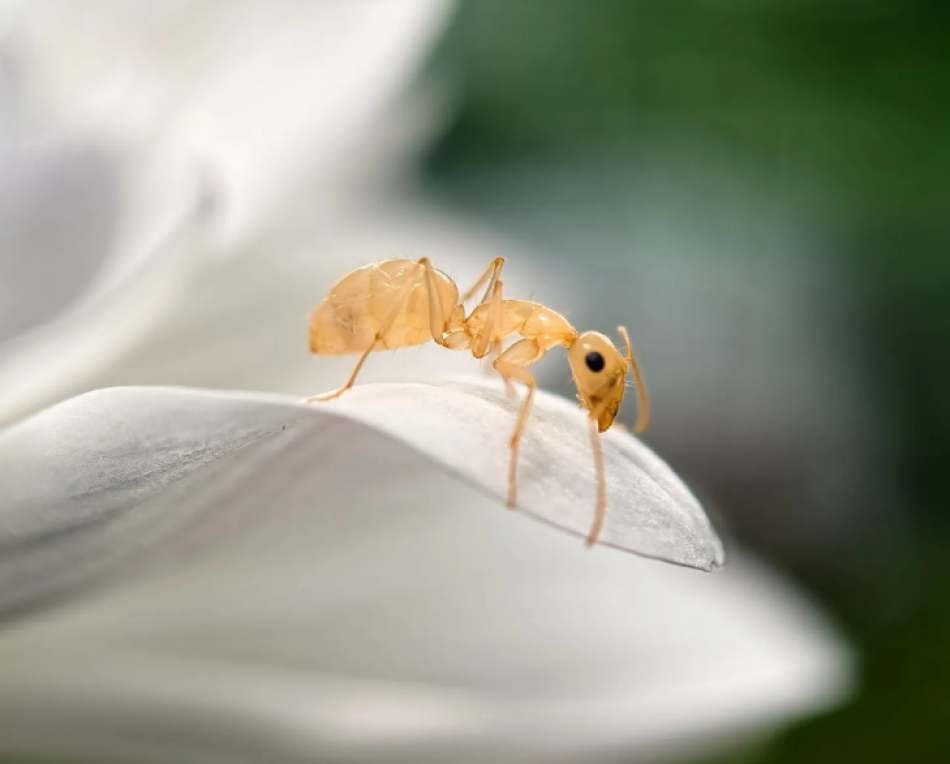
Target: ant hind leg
<point>384,327</point>
<point>436,316</point>
<point>324,397</point>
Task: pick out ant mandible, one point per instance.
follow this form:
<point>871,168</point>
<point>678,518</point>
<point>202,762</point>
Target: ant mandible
<point>397,303</point>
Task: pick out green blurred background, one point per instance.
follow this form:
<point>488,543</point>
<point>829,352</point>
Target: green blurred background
<point>760,192</point>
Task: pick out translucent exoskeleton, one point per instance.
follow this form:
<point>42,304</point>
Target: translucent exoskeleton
<point>397,303</point>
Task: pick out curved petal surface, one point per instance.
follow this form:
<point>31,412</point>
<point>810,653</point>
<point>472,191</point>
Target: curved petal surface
<point>323,588</point>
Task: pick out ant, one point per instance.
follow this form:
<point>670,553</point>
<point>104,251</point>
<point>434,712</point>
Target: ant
<point>397,303</point>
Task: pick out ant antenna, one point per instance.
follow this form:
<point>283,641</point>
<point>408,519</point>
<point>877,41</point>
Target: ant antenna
<point>643,399</point>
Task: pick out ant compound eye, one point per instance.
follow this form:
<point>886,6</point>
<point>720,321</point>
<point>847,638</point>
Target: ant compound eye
<point>594,361</point>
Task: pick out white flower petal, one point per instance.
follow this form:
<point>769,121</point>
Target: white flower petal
<point>466,426</point>
<point>97,473</point>
<point>96,242</point>
<point>272,93</point>
<point>516,647</point>
<point>122,293</point>
<point>58,218</point>
<point>253,93</point>
<point>355,601</point>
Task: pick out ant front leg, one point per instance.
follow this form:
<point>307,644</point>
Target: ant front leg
<point>600,513</point>
<point>511,365</point>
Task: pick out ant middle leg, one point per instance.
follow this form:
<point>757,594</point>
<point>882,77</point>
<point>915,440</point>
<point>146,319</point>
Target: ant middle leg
<point>491,333</point>
<point>492,272</point>
<point>493,356</point>
<point>491,340</point>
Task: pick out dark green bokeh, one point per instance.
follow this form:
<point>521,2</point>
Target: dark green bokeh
<point>838,108</point>
<point>855,90</point>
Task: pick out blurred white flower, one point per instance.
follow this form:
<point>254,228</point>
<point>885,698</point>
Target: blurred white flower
<point>319,589</point>
<point>272,95</point>
<point>80,282</point>
<point>410,616</point>
<point>270,113</point>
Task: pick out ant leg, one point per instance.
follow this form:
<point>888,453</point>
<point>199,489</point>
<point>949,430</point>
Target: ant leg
<point>492,342</point>
<point>491,332</point>
<point>494,354</point>
<point>323,397</point>
<point>401,303</point>
<point>601,510</point>
<point>493,271</point>
<point>516,372</point>
<point>436,315</point>
<point>510,365</point>
<point>643,399</point>
<point>496,317</point>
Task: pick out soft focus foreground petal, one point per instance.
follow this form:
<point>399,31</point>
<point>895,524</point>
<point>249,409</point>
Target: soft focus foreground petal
<point>449,640</point>
<point>95,481</point>
<point>354,601</point>
<point>273,94</point>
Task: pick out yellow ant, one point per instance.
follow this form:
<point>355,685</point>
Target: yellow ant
<point>397,303</point>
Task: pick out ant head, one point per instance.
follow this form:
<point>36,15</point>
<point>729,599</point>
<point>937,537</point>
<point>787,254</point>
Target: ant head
<point>600,372</point>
